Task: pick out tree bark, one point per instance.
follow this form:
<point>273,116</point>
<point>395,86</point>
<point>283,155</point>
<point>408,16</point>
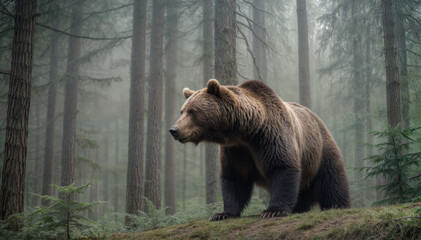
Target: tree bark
<point>137,84</point>
<point>15,150</point>
<point>303,54</point>
<point>392,71</point>
<point>50,120</point>
<point>259,40</point>
<point>225,42</point>
<point>403,64</point>
<point>153,144</point>
<point>211,150</point>
<point>170,100</point>
<point>70,100</point>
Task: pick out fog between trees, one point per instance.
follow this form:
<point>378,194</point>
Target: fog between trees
<point>107,79</point>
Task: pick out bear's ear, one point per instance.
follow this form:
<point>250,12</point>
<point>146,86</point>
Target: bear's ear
<point>187,92</point>
<point>213,87</point>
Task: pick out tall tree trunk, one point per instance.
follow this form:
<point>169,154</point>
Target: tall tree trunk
<point>116,192</point>
<point>225,42</point>
<point>303,54</point>
<point>392,71</point>
<point>50,120</point>
<point>211,174</point>
<point>105,169</point>
<point>153,140</point>
<point>211,150</point>
<point>367,99</point>
<point>202,156</point>
<point>393,103</point>
<point>37,157</point>
<point>15,149</point>
<point>70,100</point>
<point>403,65</point>
<point>259,52</point>
<point>93,191</point>
<point>184,176</point>
<point>170,100</point>
<point>137,84</point>
<point>358,85</point>
<point>259,40</point>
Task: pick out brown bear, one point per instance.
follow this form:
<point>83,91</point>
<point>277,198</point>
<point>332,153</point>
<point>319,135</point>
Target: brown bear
<point>281,146</point>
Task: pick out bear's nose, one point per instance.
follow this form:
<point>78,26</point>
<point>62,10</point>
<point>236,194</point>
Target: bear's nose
<point>174,131</point>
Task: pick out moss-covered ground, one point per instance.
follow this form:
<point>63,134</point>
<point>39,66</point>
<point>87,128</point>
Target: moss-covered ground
<point>387,222</point>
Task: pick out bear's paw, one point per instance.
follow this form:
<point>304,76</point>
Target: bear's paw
<point>275,212</point>
<point>222,216</point>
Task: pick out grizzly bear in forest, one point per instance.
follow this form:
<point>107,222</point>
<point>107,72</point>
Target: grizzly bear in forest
<point>281,146</point>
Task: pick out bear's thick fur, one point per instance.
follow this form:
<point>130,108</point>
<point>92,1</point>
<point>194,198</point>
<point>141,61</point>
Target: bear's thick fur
<point>281,146</point>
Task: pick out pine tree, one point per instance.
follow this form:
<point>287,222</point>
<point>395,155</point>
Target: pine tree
<point>50,122</point>
<point>137,84</point>
<point>392,71</point>
<point>70,100</point>
<point>153,135</point>
<point>211,150</point>
<point>170,100</point>
<point>15,150</point>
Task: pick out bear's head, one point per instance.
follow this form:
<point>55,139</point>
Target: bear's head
<point>205,115</point>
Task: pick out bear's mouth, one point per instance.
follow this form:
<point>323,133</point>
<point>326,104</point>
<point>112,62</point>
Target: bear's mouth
<point>180,139</point>
<point>189,138</point>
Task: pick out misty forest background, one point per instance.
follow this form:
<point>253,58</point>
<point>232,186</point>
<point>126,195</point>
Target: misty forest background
<point>107,80</point>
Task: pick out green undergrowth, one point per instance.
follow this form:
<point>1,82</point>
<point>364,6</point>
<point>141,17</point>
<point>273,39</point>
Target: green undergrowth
<point>386,222</point>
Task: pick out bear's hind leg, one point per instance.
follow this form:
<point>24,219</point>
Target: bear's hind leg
<point>334,189</point>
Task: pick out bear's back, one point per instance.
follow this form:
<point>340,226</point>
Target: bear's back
<point>259,89</point>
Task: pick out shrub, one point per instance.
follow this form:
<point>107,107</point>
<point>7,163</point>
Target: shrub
<point>63,218</point>
<point>398,162</point>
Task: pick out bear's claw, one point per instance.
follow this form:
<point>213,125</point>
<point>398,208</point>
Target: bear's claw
<point>221,216</point>
<point>270,213</point>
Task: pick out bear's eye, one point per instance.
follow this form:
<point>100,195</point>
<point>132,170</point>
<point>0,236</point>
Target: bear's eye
<point>191,111</point>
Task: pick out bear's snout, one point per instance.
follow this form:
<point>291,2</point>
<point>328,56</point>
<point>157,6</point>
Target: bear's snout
<point>174,132</point>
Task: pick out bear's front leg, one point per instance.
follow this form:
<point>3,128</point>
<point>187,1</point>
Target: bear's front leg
<point>236,194</point>
<point>283,188</point>
<point>236,182</point>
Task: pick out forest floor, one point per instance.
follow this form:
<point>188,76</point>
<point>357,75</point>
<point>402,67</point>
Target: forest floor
<point>387,222</point>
